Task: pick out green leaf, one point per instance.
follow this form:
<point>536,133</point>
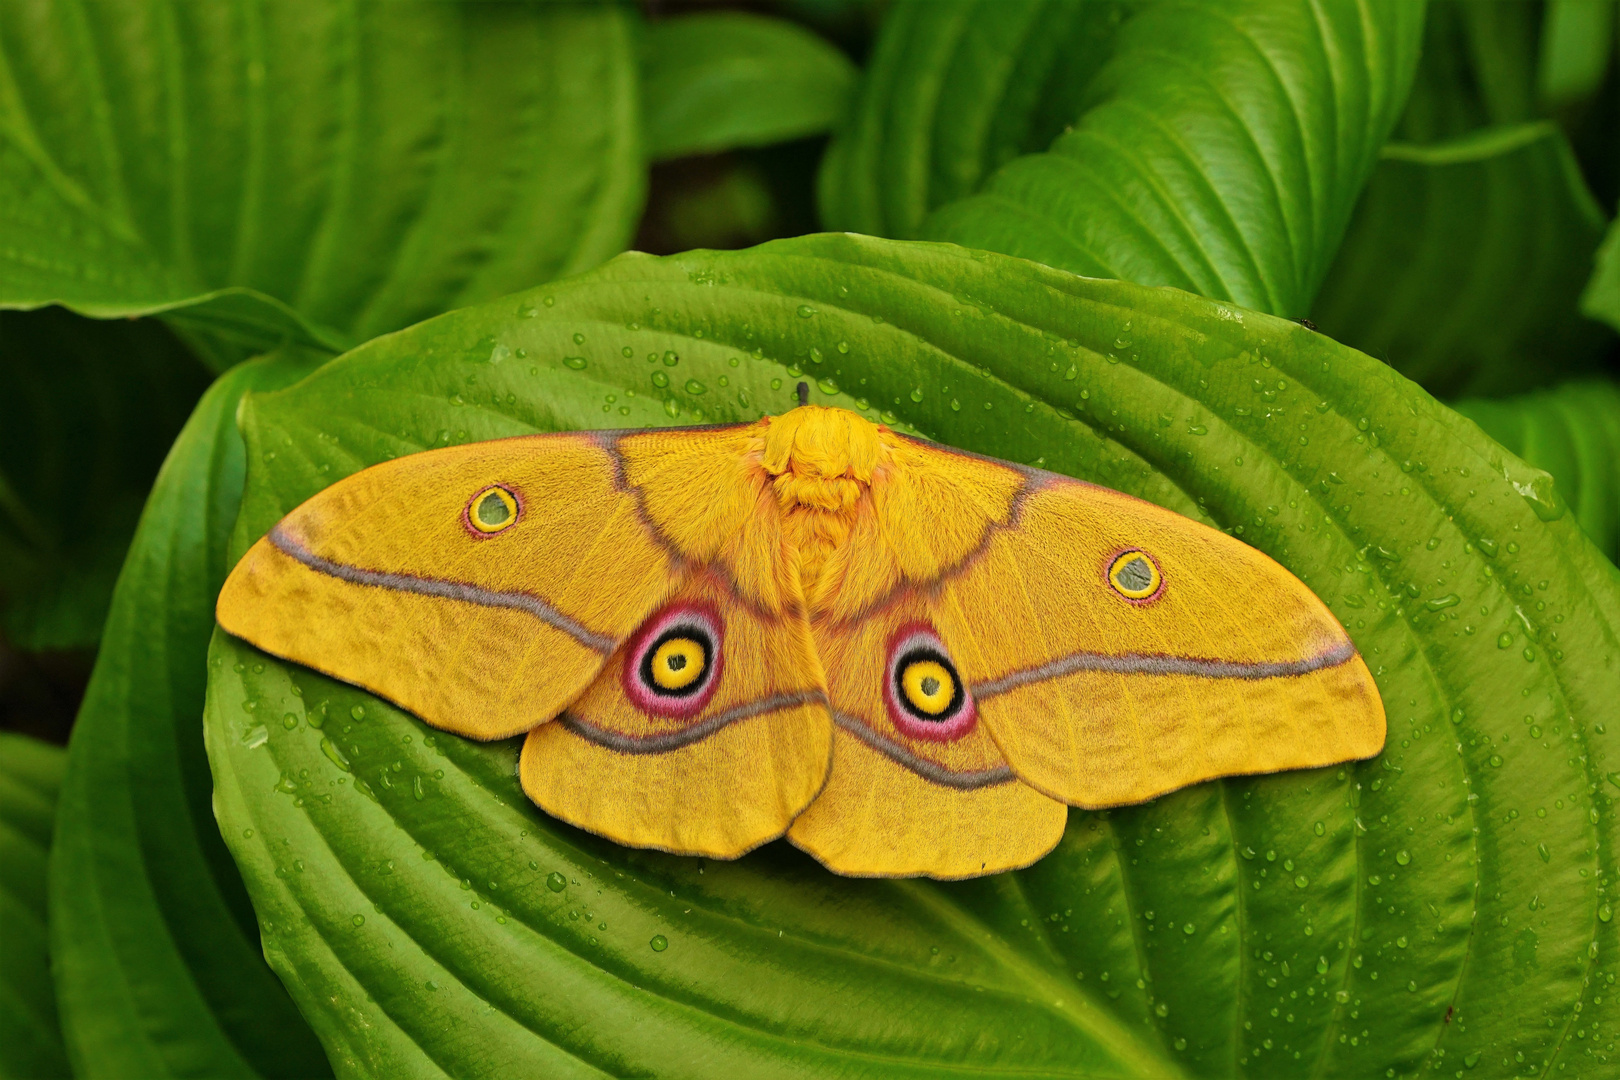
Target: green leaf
<point>319,173</point>
<point>722,80</point>
<point>1478,70</point>
<point>158,964</point>
<point>87,411</point>
<point>1464,260</point>
<point>1417,903</point>
<point>1222,152</point>
<point>30,1040</point>
<point>954,91</point>
<point>1601,298</point>
<point>1572,432</point>
<point>1577,39</point>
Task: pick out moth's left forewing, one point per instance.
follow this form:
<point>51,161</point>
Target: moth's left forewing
<point>383,580</point>
<point>1119,651</point>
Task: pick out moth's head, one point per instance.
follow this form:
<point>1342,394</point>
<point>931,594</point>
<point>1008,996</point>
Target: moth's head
<point>821,457</point>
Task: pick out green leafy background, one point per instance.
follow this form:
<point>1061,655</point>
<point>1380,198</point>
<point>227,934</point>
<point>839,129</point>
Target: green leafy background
<point>294,180</point>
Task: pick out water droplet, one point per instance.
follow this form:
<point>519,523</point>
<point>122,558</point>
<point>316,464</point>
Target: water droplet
<point>289,721</point>
<point>1301,881</point>
<point>330,749</point>
<point>359,920</point>
<point>827,386</point>
<point>577,363</point>
<point>1403,857</point>
<point>358,712</point>
<point>1161,1009</point>
<point>1504,640</point>
<point>660,380</point>
<point>556,882</point>
<point>1546,856</point>
<point>805,311</point>
<point>1495,761</point>
<point>670,359</point>
<point>916,394</point>
<point>659,943</point>
<point>695,387</point>
<point>1605,913</point>
<point>1319,829</point>
<point>671,409</point>
<point>1440,603</point>
<point>1321,965</point>
<point>1487,547</point>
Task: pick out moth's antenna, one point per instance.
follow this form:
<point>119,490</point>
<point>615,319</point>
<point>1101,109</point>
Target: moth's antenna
<point>804,393</point>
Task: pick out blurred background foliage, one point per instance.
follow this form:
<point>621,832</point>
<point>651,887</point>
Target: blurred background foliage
<point>1481,259</point>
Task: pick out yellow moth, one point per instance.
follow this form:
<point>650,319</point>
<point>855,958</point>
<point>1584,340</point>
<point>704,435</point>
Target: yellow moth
<point>905,658</point>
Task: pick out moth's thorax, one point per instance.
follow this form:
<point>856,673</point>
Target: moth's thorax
<point>821,462</point>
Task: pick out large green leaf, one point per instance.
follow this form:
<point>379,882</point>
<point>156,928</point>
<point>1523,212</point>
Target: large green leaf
<point>158,966</point>
<point>1478,70</point>
<point>726,79</point>
<point>1222,150</point>
<point>87,411</point>
<point>955,90</point>
<point>363,165</point>
<point>1465,260</point>
<point>1573,432</point>
<point>30,1041</point>
<point>1444,905</point>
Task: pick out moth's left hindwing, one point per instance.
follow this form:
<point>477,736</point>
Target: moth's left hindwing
<point>481,587</point>
<point>706,733</point>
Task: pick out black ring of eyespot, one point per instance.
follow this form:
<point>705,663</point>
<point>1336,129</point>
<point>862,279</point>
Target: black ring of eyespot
<point>918,654</point>
<point>689,631</point>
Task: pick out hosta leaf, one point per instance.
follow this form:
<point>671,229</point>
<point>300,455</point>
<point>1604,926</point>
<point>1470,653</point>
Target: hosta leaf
<point>1577,39</point>
<point>722,80</point>
<point>955,90</point>
<point>158,969</point>
<point>1222,150</point>
<point>1464,262</point>
<point>361,165</point>
<point>1444,903</point>
<point>87,411</point>
<point>1478,70</point>
<point>30,1041</point>
<point>1573,432</point>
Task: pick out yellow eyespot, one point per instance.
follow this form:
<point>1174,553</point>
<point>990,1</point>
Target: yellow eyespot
<point>1134,575</point>
<point>492,510</point>
<point>928,686</point>
<point>677,663</point>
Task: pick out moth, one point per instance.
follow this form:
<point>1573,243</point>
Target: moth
<point>907,659</point>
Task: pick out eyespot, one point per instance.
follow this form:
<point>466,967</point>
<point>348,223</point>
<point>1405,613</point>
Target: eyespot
<point>924,692</point>
<point>1134,575</point>
<point>672,664</point>
<point>491,510</point>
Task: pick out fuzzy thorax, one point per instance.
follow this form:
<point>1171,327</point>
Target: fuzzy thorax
<point>821,462</point>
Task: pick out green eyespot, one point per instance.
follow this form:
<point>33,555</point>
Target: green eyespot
<point>492,510</point>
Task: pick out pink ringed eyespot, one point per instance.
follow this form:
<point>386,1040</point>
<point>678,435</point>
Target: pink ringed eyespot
<point>673,663</point>
<point>926,696</point>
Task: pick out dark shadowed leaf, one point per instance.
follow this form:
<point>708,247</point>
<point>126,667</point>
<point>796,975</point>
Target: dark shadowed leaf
<point>338,169</point>
<point>87,411</point>
<point>30,1040</point>
<point>953,92</point>
<point>722,80</point>
<point>1465,260</point>
<point>1446,902</point>
<point>158,962</point>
